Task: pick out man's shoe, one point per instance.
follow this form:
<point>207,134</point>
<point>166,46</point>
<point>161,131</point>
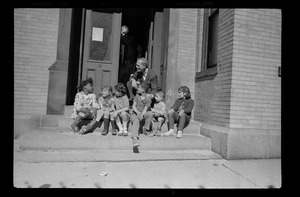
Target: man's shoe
<point>168,133</point>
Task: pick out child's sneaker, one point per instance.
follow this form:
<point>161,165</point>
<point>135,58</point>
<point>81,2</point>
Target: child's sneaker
<point>82,130</point>
<point>151,134</point>
<point>179,134</point>
<point>168,133</point>
<point>113,132</point>
<point>125,133</point>
<point>74,128</point>
<point>120,133</point>
<point>135,142</point>
<point>158,133</point>
<point>104,132</point>
<point>145,131</point>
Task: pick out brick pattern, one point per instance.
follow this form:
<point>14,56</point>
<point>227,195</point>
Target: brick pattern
<point>246,93</point>
<point>213,96</point>
<point>186,59</point>
<point>35,46</point>
<point>256,87</point>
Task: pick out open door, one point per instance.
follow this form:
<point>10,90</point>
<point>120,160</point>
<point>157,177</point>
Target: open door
<point>100,59</point>
<point>155,57</point>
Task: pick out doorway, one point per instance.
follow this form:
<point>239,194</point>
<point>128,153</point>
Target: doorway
<point>138,22</point>
<point>109,68</point>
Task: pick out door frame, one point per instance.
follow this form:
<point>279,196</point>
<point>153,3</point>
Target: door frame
<point>115,49</point>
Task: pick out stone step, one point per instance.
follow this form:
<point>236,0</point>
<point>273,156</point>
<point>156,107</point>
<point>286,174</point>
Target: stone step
<point>193,127</point>
<point>68,110</point>
<point>50,120</point>
<point>64,123</point>
<point>52,139</point>
<point>113,155</point>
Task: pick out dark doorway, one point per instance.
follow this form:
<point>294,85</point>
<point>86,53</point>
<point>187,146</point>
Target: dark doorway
<point>74,60</point>
<point>138,22</point>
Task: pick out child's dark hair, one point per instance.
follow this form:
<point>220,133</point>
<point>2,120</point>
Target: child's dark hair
<point>120,87</point>
<point>84,83</point>
<point>185,90</point>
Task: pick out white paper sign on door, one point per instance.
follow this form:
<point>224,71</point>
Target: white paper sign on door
<point>97,34</point>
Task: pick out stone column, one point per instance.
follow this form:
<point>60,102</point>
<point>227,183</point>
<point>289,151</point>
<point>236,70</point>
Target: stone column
<point>58,72</point>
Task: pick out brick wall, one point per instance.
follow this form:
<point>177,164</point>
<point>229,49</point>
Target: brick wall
<point>246,92</point>
<point>35,46</point>
<point>256,87</point>
<point>186,60</point>
<point>213,93</point>
<point>181,52</point>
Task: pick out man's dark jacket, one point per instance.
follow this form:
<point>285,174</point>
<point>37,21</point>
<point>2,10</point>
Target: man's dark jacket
<point>151,80</point>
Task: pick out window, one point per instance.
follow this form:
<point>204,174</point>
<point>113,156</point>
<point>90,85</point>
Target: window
<point>210,39</point>
<point>212,45</point>
<point>209,44</point>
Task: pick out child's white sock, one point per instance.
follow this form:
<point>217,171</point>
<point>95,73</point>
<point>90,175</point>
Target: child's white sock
<point>171,130</point>
<point>120,126</point>
<point>125,126</point>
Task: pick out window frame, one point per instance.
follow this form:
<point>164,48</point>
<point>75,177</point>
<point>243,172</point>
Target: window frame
<point>211,39</point>
<point>206,69</point>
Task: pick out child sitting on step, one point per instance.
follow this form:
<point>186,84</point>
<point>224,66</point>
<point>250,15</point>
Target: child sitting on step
<point>159,113</point>
<point>121,115</point>
<point>105,108</point>
<point>141,111</point>
<point>85,103</point>
<point>180,112</point>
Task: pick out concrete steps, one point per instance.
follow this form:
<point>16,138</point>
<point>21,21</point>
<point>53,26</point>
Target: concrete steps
<point>65,122</point>
<point>55,134</point>
<point>52,139</point>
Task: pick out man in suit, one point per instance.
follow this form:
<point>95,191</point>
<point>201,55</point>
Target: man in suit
<point>142,73</point>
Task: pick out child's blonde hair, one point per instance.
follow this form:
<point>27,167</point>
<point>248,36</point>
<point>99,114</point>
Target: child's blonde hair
<point>109,88</point>
<point>160,94</point>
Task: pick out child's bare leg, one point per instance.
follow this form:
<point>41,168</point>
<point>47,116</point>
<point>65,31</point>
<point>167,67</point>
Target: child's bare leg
<point>154,125</point>
<point>119,124</point>
<point>99,115</point>
<point>113,124</point>
<point>160,121</point>
<point>125,118</point>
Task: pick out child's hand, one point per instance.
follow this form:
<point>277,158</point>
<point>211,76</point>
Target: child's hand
<point>115,114</point>
<point>140,116</point>
<point>170,111</point>
<point>84,110</point>
<point>181,112</point>
<point>150,95</point>
<point>87,106</point>
<point>133,83</point>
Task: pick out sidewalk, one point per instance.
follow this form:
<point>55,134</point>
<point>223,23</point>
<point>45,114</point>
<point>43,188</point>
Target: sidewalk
<point>148,169</point>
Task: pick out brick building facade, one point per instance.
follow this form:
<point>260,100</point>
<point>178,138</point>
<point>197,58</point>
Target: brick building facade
<point>229,58</point>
